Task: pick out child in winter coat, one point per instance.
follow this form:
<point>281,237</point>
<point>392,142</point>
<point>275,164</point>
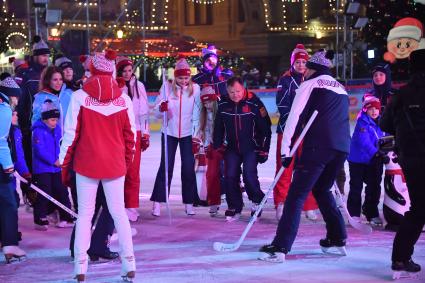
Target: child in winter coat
<point>288,83</point>
<point>46,134</point>
<point>366,163</point>
<point>136,91</point>
<point>182,104</point>
<point>213,157</point>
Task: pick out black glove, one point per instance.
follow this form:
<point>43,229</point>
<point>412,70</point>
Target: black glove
<point>262,156</point>
<point>286,161</point>
<point>383,156</point>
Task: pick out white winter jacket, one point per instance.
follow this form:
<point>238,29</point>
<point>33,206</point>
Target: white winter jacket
<point>183,110</point>
<point>140,105</point>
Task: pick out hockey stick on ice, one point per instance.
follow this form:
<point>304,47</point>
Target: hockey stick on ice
<point>41,192</point>
<point>364,228</point>
<point>165,125</point>
<point>223,247</point>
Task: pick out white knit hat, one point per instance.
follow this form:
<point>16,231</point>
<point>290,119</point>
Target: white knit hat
<point>39,47</point>
<point>407,28</point>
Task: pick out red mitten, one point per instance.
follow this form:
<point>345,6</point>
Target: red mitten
<point>196,145</point>
<point>163,107</point>
<point>144,142</point>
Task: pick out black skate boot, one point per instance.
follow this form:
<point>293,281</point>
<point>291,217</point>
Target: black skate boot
<point>405,269</point>
<point>41,224</point>
<point>273,253</point>
<point>106,256</point>
<point>328,244</point>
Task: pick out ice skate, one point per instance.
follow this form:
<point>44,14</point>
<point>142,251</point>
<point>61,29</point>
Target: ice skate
<point>41,224</point>
<point>65,224</point>
<point>53,217</point>
<point>254,208</point>
<point>214,210</point>
<point>375,221</point>
<point>133,214</point>
<point>335,247</point>
<point>13,254</point>
<point>156,209</point>
<point>128,268</point>
<point>272,254</point>
<point>311,215</point>
<point>105,257</point>
<point>80,269</point>
<point>407,269</point>
<point>189,209</point>
<point>232,215</point>
<point>279,211</point>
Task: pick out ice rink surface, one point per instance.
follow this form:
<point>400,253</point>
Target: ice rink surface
<point>182,251</point>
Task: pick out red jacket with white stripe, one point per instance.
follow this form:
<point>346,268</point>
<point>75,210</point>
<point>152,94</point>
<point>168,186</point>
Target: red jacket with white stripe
<point>100,133</point>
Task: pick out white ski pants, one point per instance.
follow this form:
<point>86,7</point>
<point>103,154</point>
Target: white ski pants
<point>114,193</point>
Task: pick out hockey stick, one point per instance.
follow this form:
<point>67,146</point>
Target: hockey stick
<point>364,228</point>
<point>223,247</point>
<point>41,192</point>
<point>165,125</point>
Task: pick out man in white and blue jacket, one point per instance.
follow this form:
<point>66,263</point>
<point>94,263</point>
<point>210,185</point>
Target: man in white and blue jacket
<point>325,149</point>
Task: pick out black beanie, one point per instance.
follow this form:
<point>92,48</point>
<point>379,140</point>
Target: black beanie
<point>48,110</point>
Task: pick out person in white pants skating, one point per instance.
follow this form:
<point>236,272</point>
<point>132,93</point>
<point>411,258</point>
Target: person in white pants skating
<point>98,144</point>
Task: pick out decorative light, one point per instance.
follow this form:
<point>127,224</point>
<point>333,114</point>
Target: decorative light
<point>206,1</point>
<point>120,34</point>
<point>54,32</point>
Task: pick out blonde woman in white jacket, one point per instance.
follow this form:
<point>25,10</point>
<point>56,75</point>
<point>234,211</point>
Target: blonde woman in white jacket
<point>183,106</point>
<point>136,91</point>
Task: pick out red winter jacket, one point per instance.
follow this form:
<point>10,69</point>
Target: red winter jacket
<point>99,134</point>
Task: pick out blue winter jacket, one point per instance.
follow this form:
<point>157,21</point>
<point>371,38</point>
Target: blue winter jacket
<point>5,122</point>
<point>64,99</point>
<point>17,151</point>
<point>45,148</point>
<point>285,95</point>
<point>364,143</point>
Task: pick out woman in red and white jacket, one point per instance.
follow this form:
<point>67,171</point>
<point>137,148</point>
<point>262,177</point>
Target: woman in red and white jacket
<point>98,144</point>
<point>136,91</point>
<point>183,106</point>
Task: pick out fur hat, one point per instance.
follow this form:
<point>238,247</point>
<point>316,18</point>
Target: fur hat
<point>103,63</point>
<point>299,53</point>
<point>123,62</point>
<point>321,60</point>
<point>63,62</point>
<point>39,47</point>
<point>10,88</point>
<point>182,67</point>
<point>49,110</point>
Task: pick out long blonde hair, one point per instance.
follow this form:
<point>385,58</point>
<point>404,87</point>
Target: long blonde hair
<point>174,87</point>
<point>204,116</point>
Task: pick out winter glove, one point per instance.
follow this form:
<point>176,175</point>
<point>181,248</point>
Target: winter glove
<point>383,156</point>
<point>163,107</point>
<point>196,145</point>
<point>262,156</point>
<point>144,142</point>
<point>286,161</point>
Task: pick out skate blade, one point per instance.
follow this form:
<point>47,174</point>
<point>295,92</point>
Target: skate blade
<point>341,251</point>
<point>404,274</point>
<point>129,277</point>
<point>274,258</point>
<point>13,259</point>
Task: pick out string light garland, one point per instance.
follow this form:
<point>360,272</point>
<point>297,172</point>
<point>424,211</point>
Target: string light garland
<point>17,34</point>
<point>206,1</point>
